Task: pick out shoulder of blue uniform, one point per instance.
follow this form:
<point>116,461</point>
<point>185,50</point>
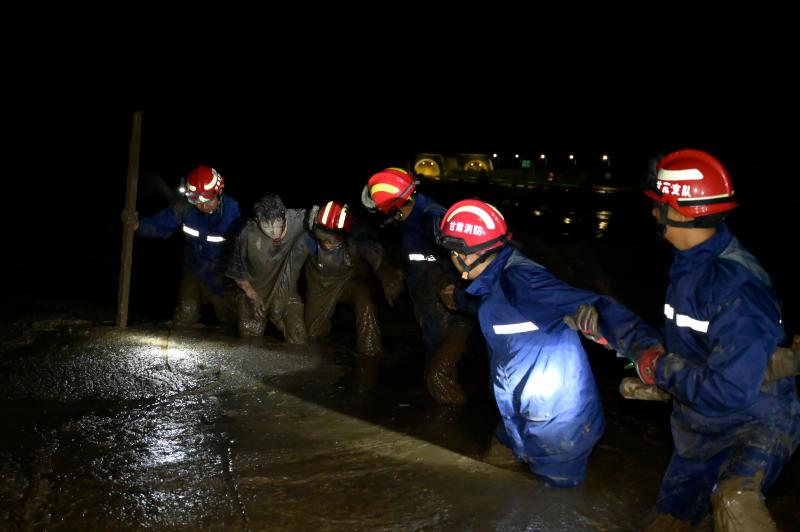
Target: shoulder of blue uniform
<point>735,258</point>
<point>429,206</point>
<point>517,258</point>
<point>489,276</point>
<point>519,271</point>
<point>230,201</point>
<point>736,273</point>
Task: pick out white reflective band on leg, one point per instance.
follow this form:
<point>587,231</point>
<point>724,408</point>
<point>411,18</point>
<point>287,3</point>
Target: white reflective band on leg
<point>212,238</point>
<point>421,257</point>
<point>189,231</point>
<point>514,328</point>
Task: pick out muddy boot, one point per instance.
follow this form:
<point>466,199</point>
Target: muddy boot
<point>738,507</point>
<point>249,323</point>
<point>295,327</point>
<point>441,377</point>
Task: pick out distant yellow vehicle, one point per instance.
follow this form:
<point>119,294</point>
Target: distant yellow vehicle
<point>462,166</point>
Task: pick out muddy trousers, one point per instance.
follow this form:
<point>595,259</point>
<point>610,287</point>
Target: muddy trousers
<point>193,294</point>
<point>560,470</point>
<point>447,337</point>
<point>286,317</point>
<point>321,303</point>
<point>731,484</point>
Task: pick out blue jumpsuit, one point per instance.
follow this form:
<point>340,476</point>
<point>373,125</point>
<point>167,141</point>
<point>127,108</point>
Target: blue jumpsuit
<point>428,270</point>
<point>543,384</point>
<point>723,322</point>
<point>208,239</point>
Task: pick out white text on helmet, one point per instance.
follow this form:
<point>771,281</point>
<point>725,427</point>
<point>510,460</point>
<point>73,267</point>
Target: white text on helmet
<point>467,229</point>
<point>483,215</point>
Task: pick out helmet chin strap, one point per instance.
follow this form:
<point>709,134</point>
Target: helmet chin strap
<point>466,268</point>
<point>663,221</point>
<point>396,216</point>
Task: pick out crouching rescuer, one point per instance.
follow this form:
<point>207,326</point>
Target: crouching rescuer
<point>545,391</point>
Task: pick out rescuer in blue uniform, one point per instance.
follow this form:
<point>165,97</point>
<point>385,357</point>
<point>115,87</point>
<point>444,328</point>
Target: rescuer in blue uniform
<point>734,422</point>
<point>446,334</point>
<point>551,411</point>
<point>210,221</point>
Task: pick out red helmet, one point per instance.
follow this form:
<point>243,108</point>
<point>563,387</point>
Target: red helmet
<point>472,225</point>
<point>388,189</point>
<point>203,184</point>
<point>692,182</point>
<point>334,217</point>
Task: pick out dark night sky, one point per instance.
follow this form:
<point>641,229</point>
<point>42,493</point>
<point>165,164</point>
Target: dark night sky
<point>332,145</point>
<point>311,125</point>
<point>322,134</point>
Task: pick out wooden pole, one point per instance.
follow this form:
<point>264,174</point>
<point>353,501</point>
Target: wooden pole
<point>129,220</point>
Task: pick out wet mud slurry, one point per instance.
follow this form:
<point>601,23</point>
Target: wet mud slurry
<point>153,428</point>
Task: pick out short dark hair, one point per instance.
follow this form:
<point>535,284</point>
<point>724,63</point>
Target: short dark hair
<point>269,207</point>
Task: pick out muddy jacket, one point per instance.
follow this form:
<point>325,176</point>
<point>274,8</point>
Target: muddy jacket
<point>428,270</point>
<point>723,321</point>
<point>542,380</point>
<point>208,238</point>
<point>329,267</point>
<point>339,276</point>
<point>259,260</point>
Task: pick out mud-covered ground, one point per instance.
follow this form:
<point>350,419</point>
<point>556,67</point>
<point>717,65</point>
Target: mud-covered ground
<point>157,428</point>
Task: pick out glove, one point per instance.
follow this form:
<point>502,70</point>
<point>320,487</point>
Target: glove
<point>784,362</point>
<point>392,283</point>
<point>130,218</point>
<point>586,320</point>
<point>646,363</point>
<point>633,388</point>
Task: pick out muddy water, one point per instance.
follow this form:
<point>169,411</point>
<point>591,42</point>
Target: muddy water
<point>154,429</point>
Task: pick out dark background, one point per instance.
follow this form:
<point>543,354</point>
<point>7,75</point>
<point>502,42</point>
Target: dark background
<point>314,142</point>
